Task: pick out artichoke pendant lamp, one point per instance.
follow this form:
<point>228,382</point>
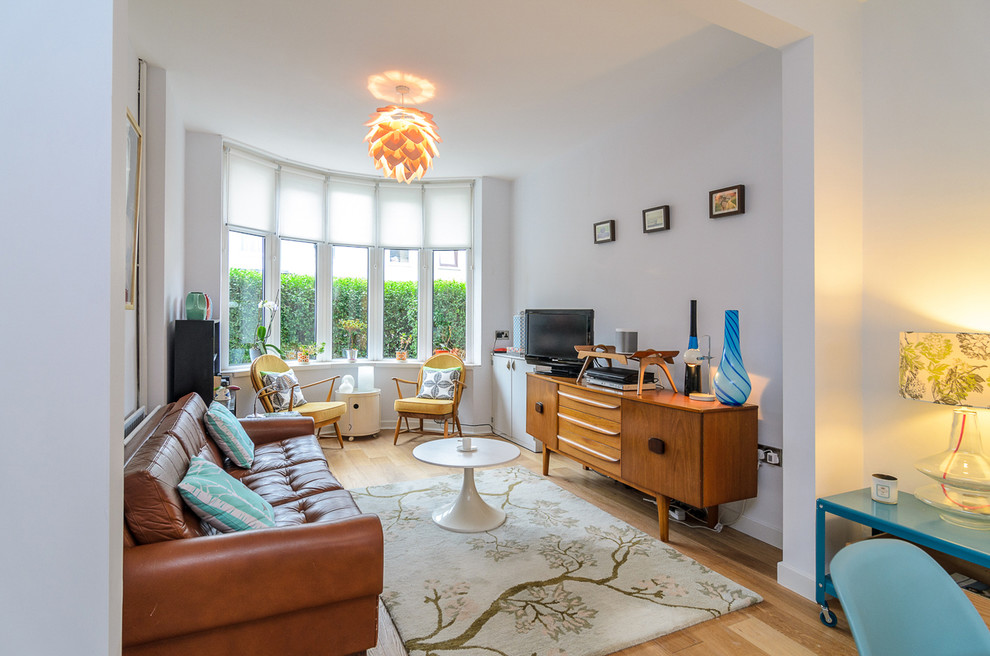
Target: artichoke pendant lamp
<point>402,140</point>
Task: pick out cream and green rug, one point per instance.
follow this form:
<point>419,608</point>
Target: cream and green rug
<point>560,577</point>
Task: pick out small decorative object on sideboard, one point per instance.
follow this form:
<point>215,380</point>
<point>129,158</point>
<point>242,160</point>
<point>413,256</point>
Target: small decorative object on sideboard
<point>727,201</point>
<point>731,383</point>
<point>692,362</point>
<point>605,231</point>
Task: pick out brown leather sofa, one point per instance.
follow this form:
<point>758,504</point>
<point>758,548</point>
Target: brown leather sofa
<point>308,586</point>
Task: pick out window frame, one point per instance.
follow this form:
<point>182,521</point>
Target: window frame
<point>271,278</point>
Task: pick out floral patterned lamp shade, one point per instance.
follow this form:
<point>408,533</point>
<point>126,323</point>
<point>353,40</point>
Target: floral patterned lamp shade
<point>952,369</point>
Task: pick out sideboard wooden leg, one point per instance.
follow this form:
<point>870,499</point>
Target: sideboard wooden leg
<point>712,516</point>
<point>663,508</point>
<point>546,461</point>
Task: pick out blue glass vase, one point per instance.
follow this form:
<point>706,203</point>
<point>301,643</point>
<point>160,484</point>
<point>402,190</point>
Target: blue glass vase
<point>732,386</point>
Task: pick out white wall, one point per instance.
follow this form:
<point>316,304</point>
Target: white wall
<point>926,91</point>
<point>63,128</point>
<point>725,131</point>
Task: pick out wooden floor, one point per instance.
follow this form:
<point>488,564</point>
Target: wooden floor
<point>784,624</point>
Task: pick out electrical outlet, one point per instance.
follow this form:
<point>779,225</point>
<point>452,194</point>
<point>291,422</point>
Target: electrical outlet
<point>771,455</point>
<point>501,334</point>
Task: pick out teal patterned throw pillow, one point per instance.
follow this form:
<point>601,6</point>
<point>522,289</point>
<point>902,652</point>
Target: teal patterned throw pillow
<point>439,383</point>
<point>229,435</point>
<point>221,500</point>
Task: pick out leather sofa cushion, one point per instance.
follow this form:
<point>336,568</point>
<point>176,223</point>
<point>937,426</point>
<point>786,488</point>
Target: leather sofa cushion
<point>185,422</point>
<point>317,508</point>
<point>287,453</point>
<point>153,509</point>
<point>281,485</point>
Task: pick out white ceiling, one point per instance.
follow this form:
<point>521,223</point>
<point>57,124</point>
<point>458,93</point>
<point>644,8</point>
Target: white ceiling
<point>517,81</point>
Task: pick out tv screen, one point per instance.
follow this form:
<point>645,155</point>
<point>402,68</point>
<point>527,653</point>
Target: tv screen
<point>551,336</point>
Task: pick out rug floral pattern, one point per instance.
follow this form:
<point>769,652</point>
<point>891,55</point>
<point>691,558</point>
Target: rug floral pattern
<point>559,578</point>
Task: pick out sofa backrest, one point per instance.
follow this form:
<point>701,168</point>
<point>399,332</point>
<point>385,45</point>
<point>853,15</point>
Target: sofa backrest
<point>153,509</point>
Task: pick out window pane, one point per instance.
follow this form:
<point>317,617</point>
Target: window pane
<point>450,300</point>
<point>250,193</point>
<point>300,205</point>
<point>401,302</point>
<point>448,216</point>
<point>401,215</point>
<point>246,261</point>
<point>352,213</point>
<point>298,295</point>
<point>350,300</point>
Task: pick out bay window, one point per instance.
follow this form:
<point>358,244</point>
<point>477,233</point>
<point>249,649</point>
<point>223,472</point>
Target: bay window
<point>352,262</point>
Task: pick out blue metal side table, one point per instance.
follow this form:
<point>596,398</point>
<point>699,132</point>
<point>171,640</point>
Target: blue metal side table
<point>909,519</point>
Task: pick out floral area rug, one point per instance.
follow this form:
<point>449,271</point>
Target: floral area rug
<point>559,577</point>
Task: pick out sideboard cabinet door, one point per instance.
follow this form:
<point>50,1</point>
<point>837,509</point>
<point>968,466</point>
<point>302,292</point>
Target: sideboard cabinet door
<point>676,472</point>
<point>541,410</point>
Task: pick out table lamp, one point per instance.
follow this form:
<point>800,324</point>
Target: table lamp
<point>952,369</point>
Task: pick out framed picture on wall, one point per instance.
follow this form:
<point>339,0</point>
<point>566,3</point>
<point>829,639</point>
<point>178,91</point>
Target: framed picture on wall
<point>656,219</point>
<point>132,166</point>
<point>605,231</point>
<point>727,201</point>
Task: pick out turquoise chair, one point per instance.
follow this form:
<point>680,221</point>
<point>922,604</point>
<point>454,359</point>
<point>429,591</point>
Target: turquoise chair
<point>900,601</point>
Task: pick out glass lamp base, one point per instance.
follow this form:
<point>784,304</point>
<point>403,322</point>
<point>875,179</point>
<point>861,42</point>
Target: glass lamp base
<point>957,506</point>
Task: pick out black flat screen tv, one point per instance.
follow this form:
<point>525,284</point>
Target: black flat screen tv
<point>551,336</point>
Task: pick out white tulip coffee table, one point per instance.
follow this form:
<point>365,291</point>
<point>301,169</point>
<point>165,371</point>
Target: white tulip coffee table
<point>468,513</point>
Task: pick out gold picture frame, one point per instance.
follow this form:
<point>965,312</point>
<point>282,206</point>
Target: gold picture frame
<point>132,164</point>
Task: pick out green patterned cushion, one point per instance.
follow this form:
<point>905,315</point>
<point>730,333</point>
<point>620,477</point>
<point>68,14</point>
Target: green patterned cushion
<point>229,435</point>
<point>222,501</point>
<point>439,383</point>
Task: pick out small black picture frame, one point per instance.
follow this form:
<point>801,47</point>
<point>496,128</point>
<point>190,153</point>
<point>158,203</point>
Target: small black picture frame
<point>727,201</point>
<point>605,231</point>
<point>656,219</point>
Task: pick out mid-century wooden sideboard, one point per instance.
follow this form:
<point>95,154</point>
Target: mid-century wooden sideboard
<point>661,443</point>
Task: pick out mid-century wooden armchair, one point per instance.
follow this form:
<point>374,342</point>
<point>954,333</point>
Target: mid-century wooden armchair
<point>324,413</point>
<point>415,407</point>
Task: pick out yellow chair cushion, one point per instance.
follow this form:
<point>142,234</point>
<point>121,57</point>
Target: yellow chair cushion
<point>424,406</point>
<point>322,411</point>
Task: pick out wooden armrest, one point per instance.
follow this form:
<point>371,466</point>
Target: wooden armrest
<point>402,380</point>
<point>332,380</point>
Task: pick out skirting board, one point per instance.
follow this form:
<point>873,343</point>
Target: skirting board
<point>762,532</point>
<point>792,579</point>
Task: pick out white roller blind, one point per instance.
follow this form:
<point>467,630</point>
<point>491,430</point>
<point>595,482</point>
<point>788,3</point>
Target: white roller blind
<point>251,192</point>
<point>401,215</point>
<point>448,216</point>
<point>300,205</point>
<point>352,213</point>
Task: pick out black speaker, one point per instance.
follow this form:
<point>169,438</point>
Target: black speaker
<point>195,358</point>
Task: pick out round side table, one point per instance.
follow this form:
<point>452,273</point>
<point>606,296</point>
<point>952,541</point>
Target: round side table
<point>363,413</point>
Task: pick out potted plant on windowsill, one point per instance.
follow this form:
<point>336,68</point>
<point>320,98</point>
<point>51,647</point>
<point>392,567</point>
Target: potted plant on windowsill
<point>260,345</point>
<point>405,339</point>
<point>351,326</point>
<point>309,351</point>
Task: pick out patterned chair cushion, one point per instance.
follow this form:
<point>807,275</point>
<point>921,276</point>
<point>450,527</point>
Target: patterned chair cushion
<point>229,435</point>
<point>221,501</point>
<point>282,382</point>
<point>439,383</point>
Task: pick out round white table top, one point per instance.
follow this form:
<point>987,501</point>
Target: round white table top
<point>443,452</point>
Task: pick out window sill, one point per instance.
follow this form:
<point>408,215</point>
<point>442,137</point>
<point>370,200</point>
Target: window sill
<point>242,371</point>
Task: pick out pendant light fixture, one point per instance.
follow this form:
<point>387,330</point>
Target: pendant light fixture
<point>402,140</point>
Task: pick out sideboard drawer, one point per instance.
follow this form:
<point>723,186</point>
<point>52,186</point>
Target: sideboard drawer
<point>596,454</point>
<point>592,403</point>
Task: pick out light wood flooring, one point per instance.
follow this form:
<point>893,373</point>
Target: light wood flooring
<point>784,624</point>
